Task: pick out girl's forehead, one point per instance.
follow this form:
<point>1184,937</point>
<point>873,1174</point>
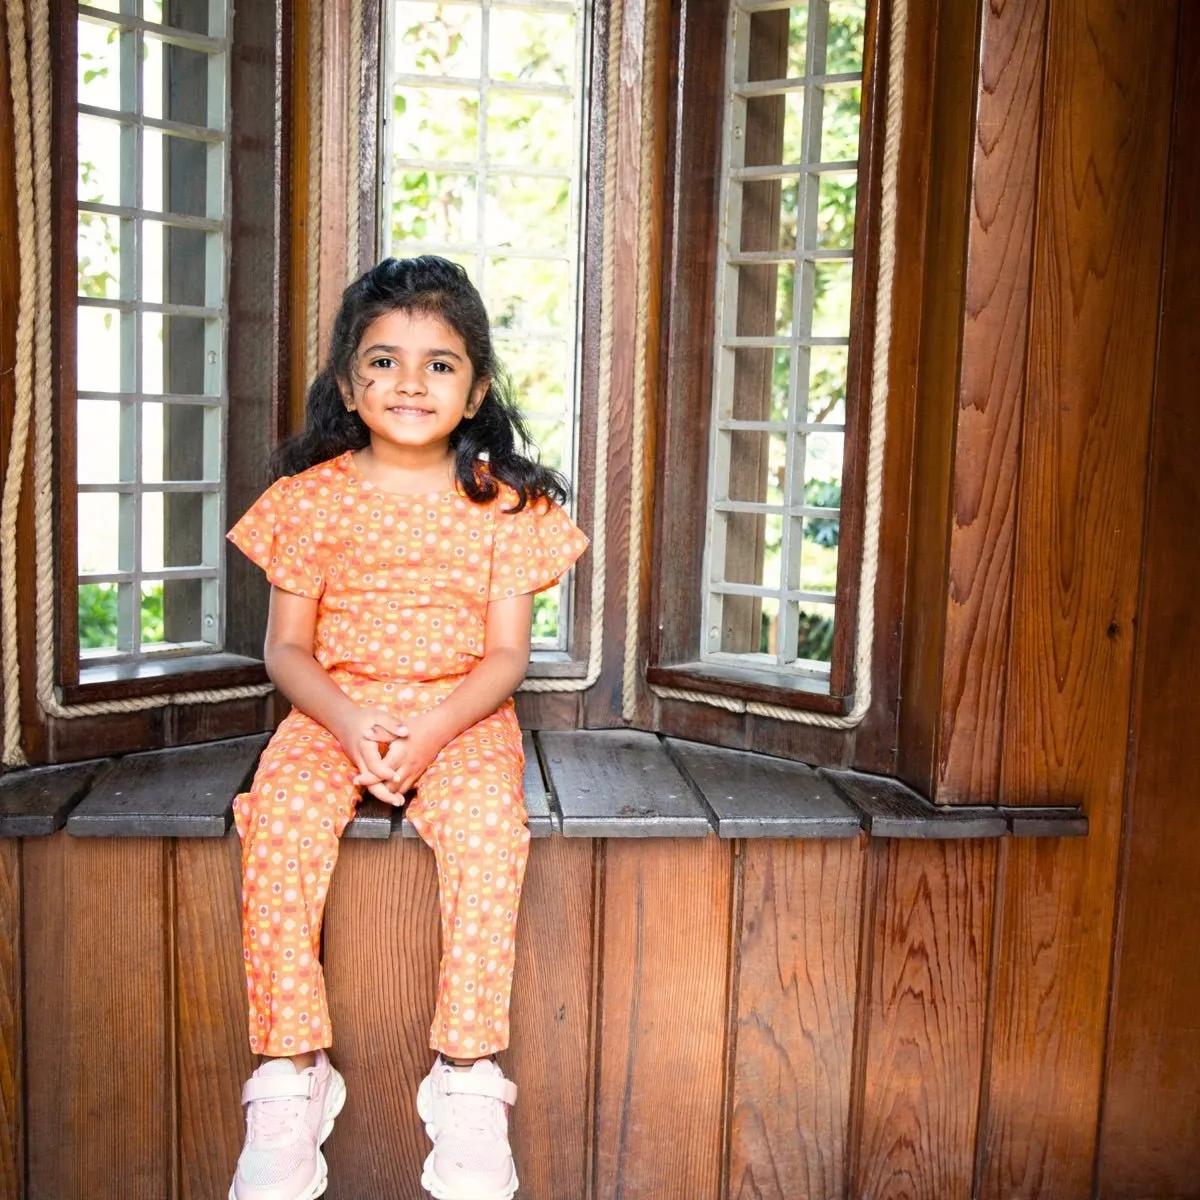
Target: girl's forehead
<point>412,331</point>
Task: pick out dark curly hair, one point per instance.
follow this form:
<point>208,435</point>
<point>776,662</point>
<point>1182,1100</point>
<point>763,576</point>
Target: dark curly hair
<point>490,447</point>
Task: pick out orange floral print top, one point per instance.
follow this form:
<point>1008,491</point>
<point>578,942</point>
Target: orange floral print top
<point>403,581</point>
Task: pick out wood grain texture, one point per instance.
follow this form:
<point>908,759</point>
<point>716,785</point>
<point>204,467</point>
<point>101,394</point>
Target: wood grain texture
<point>550,1055</point>
<point>1150,1130</point>
<point>12,1098</point>
<point>334,167</point>
<point>924,1028</point>
<point>99,1059</point>
<point>212,1045</point>
<point>1097,264</point>
<point>797,987</point>
<point>662,1018</point>
<point>381,959</point>
<point>991,388</point>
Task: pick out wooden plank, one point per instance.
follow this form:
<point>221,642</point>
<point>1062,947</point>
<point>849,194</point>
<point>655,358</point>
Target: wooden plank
<point>1150,1128</point>
<point>381,960</point>
<point>1046,822</point>
<point>662,1018</point>
<point>98,1051</point>
<point>183,792</point>
<point>12,1092</point>
<point>617,783</point>
<point>1098,257</point>
<point>537,797</point>
<point>212,1046</point>
<point>550,1056</point>
<point>797,988</point>
<point>926,1002</point>
<point>892,810</point>
<point>753,795</point>
<point>373,819</point>
<point>36,802</point>
<point>991,386</point>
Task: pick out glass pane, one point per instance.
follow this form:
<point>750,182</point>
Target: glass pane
<point>432,207</point>
<point>99,65</point>
<point>747,625</point>
<point>819,554</point>
<point>100,161</point>
<point>546,606</point>
<point>99,256</point>
<point>757,461</point>
<point>177,357</point>
<point>844,46</point>
<point>180,442</point>
<point>776,42</point>
<point>436,123</point>
<point>528,293</point>
<point>760,384</point>
<point>173,612</point>
<point>814,624</point>
<point>99,351</point>
<point>529,129</point>
<point>188,15</point>
<point>831,299</point>
<point>753,543</point>
<point>550,442</point>
<point>822,457</point>
<point>534,47</point>
<point>97,616</point>
<point>175,265</point>
<point>437,39</point>
<point>527,213</point>
<point>538,373</point>
<point>797,42</point>
<point>827,384</point>
<point>175,83</point>
<point>775,129</point>
<point>172,530</point>
<point>180,175</point>
<point>99,522</point>
<point>769,213</point>
<point>765,300</point>
<point>98,441</point>
<point>839,122</point>
<point>836,196</point>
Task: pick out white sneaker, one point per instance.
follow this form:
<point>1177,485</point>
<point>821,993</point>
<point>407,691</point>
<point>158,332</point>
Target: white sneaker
<point>289,1113</point>
<point>466,1115</point>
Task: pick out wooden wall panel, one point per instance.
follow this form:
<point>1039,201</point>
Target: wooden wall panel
<point>991,388</point>
<point>663,1017</point>
<point>1098,251</point>
<point>923,1037</point>
<point>381,958</point>
<point>797,987</point>
<point>212,1043</point>
<point>1150,1133</point>
<point>12,1117</point>
<point>101,1081</point>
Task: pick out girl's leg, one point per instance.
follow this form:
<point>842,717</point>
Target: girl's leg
<point>470,809</point>
<point>302,798</point>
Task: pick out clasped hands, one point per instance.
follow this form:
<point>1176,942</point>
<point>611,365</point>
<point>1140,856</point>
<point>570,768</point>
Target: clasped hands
<point>390,754</point>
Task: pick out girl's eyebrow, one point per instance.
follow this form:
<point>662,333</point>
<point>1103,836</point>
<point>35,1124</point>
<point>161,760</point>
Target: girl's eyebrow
<point>436,352</point>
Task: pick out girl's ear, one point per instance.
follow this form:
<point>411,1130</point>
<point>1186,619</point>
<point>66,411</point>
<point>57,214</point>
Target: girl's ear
<point>346,394</point>
<point>479,389</point>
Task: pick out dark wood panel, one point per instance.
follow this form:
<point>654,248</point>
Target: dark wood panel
<point>12,1116</point>
<point>381,959</point>
<point>550,1055</point>
<point>1150,1133</point>
<point>1098,253</point>
<point>797,988</point>
<point>99,1059</point>
<point>36,801</point>
<point>991,389</point>
<point>662,1018</point>
<point>892,810</point>
<point>212,1042</point>
<point>924,1028</point>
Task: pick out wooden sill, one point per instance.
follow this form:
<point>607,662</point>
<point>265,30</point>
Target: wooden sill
<point>188,673</point>
<point>766,687</point>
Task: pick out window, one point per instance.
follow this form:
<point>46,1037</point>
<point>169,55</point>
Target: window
<point>153,228</point>
<point>483,163</point>
<point>783,334</point>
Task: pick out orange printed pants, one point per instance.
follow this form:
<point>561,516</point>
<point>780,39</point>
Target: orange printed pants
<point>469,807</point>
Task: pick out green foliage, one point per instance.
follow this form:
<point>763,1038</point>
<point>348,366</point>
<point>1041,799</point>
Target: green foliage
<point>816,637</point>
<point>98,609</point>
<point>822,493</point>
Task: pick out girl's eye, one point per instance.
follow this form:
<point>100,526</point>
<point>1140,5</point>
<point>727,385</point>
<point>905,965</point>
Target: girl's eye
<point>440,367</point>
<point>383,363</point>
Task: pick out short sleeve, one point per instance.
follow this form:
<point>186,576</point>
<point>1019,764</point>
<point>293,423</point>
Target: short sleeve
<point>276,534</point>
<point>533,549</point>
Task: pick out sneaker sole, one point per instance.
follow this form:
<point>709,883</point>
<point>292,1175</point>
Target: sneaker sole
<point>429,1179</point>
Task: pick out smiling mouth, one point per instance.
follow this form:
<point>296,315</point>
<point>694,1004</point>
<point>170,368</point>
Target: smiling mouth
<point>404,410</point>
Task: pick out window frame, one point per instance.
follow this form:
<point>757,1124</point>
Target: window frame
<point>686,390</point>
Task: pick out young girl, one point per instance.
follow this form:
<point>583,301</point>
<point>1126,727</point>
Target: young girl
<point>404,542</point>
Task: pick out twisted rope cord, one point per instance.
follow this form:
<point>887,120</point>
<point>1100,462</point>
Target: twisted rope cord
<point>316,117</point>
<point>353,139</point>
<point>604,387</point>
<point>15,467</point>
<point>641,364</point>
<point>877,435</point>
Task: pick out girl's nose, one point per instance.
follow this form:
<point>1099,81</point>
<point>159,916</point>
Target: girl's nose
<point>409,380</point>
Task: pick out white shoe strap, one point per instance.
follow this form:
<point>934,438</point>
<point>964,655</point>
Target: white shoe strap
<point>277,1087</point>
<point>470,1084</point>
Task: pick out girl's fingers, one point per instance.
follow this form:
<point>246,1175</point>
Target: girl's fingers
<point>371,762</point>
<point>382,792</point>
<point>386,731</point>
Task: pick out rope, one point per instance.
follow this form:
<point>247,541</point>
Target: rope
<point>604,387</point>
<point>877,433</point>
<point>641,365</point>
<point>353,140</point>
<point>312,328</point>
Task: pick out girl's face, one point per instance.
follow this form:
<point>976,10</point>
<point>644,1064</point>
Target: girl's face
<point>412,380</point>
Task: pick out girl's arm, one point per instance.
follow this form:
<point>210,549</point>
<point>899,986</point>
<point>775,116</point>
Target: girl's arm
<point>503,666</point>
<point>288,654</point>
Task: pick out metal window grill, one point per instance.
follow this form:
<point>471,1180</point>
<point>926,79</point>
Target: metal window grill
<point>152,314</point>
<point>788,192</point>
<point>482,152</point>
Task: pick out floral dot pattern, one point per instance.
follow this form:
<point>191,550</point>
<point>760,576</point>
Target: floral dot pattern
<point>403,583</point>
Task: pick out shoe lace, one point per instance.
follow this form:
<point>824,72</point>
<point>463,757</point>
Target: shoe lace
<point>476,1114</point>
<point>275,1122</point>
